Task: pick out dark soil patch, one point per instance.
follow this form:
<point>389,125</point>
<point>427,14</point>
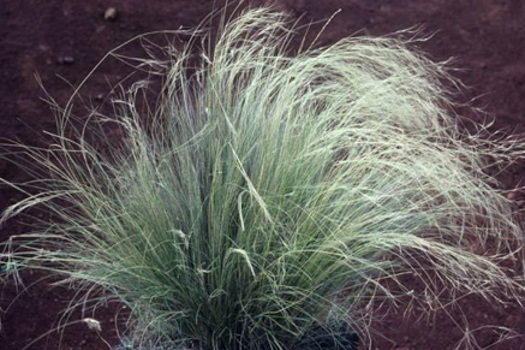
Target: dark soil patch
<point>63,40</point>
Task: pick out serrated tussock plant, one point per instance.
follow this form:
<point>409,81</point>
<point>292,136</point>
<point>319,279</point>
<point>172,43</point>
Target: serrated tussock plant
<point>266,193</point>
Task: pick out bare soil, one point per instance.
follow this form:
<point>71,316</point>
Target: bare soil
<point>62,40</point>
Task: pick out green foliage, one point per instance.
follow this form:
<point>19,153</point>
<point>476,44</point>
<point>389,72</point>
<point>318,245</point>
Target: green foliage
<point>266,193</point>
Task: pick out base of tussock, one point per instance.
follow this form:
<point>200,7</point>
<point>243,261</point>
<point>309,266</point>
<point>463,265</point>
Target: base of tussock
<point>263,195</point>
<point>319,338</point>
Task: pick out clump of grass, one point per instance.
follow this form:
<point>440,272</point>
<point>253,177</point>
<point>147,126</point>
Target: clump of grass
<point>265,194</point>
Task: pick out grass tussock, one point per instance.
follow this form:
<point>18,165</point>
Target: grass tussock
<point>265,194</point>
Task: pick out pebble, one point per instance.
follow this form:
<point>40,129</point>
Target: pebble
<point>110,14</point>
<point>511,195</point>
<point>66,60</point>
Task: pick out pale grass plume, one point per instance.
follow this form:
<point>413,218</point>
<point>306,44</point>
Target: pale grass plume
<point>265,191</point>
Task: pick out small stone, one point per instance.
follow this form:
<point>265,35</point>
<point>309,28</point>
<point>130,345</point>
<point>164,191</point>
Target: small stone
<point>92,324</point>
<point>43,48</point>
<point>511,195</point>
<point>66,60</point>
<point>110,14</point>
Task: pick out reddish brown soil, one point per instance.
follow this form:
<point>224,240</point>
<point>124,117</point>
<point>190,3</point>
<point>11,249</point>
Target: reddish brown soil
<point>62,40</point>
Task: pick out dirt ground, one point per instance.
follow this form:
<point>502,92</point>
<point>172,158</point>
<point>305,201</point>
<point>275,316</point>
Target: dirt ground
<point>62,40</point>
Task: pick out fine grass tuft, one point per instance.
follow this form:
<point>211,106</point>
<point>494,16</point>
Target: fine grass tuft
<point>266,194</point>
